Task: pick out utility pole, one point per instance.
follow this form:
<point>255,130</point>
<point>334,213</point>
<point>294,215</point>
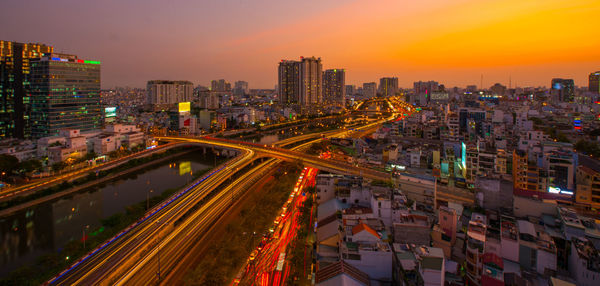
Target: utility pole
<point>481,83</point>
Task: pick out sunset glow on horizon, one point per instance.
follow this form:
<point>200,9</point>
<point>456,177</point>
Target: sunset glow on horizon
<point>453,42</point>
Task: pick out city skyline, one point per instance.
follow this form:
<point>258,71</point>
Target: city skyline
<point>452,43</point>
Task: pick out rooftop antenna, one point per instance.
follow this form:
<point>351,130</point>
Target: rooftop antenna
<point>481,82</point>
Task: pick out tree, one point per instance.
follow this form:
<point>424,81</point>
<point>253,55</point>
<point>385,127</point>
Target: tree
<point>90,156</point>
<point>58,166</point>
<point>113,154</point>
<point>8,163</point>
<point>30,165</point>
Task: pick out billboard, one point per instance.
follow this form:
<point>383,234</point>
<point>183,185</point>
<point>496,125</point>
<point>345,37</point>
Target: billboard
<point>463,154</point>
<point>110,112</point>
<point>184,107</point>
<point>185,168</point>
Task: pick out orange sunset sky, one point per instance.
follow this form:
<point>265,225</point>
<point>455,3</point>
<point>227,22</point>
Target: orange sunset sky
<point>451,41</point>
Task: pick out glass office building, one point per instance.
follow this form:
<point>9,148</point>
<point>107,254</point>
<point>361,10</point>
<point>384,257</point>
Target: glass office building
<point>15,101</point>
<point>65,93</point>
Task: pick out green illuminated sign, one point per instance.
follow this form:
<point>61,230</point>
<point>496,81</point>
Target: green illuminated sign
<point>92,62</point>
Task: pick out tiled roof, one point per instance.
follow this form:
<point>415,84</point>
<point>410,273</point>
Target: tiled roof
<point>341,267</point>
<point>360,227</point>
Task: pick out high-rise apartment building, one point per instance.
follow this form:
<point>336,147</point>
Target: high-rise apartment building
<point>425,87</point>
<point>350,89</point>
<point>15,101</point>
<point>311,79</point>
<point>65,94</point>
<point>208,100</point>
<point>594,83</point>
<point>564,88</point>
<point>166,94</point>
<point>289,82</point>
<point>369,89</point>
<point>334,90</point>
<point>388,86</point>
<point>240,88</point>
<point>220,85</point>
<point>300,82</point>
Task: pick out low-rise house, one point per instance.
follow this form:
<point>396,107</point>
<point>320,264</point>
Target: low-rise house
<point>584,262</point>
<point>431,265</point>
<point>341,274</point>
<point>365,250</point>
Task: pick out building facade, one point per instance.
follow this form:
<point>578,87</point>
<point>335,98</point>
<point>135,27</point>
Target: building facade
<point>334,91</point>
<point>240,88</point>
<point>311,79</point>
<point>289,82</point>
<point>15,101</point>
<point>165,94</point>
<point>564,88</point>
<point>369,89</point>
<point>594,82</point>
<point>65,94</point>
<point>220,85</point>
<point>388,86</point>
<point>300,83</point>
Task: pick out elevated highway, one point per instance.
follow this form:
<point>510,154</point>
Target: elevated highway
<point>165,233</point>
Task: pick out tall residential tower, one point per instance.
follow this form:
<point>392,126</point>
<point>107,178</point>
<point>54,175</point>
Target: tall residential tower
<point>334,91</point>
<point>311,79</point>
<point>388,86</point>
<point>300,83</point>
<point>166,94</point>
<point>289,82</point>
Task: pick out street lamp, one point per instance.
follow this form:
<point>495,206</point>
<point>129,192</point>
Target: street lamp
<point>83,238</point>
<point>148,199</point>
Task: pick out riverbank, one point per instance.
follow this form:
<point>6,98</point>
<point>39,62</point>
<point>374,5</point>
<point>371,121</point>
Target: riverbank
<point>47,265</point>
<point>92,179</point>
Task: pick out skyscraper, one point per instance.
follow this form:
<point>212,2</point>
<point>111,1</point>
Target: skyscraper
<point>15,102</point>
<point>594,83</point>
<point>388,86</point>
<point>289,82</point>
<point>311,79</point>
<point>334,91</point>
<point>565,88</point>
<point>300,82</point>
<point>65,93</point>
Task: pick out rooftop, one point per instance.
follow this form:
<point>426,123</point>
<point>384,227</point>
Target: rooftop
<point>341,267</point>
<point>586,251</point>
<point>360,227</point>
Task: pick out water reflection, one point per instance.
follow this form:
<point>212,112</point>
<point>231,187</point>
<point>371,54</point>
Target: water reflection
<point>48,227</point>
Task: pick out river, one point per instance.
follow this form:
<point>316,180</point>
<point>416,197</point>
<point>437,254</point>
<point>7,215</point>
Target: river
<point>48,227</point>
